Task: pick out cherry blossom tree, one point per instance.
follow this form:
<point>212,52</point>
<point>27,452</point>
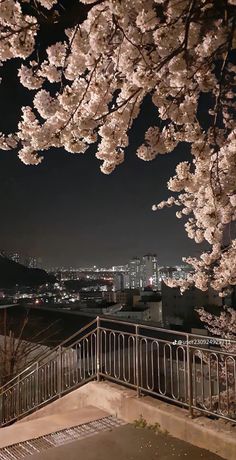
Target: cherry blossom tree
<point>90,64</point>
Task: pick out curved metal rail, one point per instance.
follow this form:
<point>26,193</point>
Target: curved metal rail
<point>190,370</point>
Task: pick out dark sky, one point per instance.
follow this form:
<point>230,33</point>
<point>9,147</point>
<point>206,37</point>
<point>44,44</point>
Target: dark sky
<point>67,212</point>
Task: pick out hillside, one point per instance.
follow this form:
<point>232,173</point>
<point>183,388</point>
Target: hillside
<point>12,273</point>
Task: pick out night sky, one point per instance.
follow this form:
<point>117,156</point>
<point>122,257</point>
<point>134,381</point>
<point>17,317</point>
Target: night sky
<point>67,212</point>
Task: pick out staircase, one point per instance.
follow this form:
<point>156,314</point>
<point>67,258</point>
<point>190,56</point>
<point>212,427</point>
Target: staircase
<point>71,364</point>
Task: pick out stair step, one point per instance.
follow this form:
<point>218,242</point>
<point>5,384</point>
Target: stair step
<point>59,438</point>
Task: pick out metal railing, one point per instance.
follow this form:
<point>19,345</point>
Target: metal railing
<point>189,370</point>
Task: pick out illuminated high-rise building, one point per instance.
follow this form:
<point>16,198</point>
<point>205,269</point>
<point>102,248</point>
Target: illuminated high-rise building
<point>134,273</point>
<point>149,271</point>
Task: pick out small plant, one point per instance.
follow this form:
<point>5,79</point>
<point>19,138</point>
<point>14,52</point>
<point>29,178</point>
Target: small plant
<point>140,422</point>
<point>156,427</point>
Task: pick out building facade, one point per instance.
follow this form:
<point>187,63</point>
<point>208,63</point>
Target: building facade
<point>134,273</point>
<point>149,271</point>
<point>181,308</point>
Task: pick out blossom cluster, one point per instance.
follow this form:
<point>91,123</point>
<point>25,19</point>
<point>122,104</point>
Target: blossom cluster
<point>224,327</point>
<point>90,86</point>
<point>17,31</point>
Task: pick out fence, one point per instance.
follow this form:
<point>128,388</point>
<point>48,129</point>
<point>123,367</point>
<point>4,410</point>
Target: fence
<point>189,370</point>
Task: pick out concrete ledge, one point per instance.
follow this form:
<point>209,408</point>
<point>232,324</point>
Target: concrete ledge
<point>71,401</point>
<point>217,436</point>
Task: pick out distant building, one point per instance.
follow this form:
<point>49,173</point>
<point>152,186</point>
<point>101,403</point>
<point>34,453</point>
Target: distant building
<point>108,296</point>
<point>119,268</point>
<point>135,273</point>
<point>134,315</point>
<point>166,272</point>
<point>91,295</point>
<point>150,301</point>
<point>118,282</point>
<point>180,308</point>
<point>149,271</point>
<point>146,306</point>
<point>67,275</point>
<point>122,297</point>
<point>182,271</point>
<point>175,272</point>
<point>126,280</point>
<point>121,281</point>
<point>143,272</point>
<point>126,297</point>
<point>154,312</point>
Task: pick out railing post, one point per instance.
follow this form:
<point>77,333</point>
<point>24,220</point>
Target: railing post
<point>37,384</point>
<point>2,409</point>
<point>59,371</point>
<point>190,379</point>
<point>18,397</point>
<point>137,360</point>
<point>98,349</point>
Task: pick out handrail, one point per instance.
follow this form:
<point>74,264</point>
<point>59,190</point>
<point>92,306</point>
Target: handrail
<point>161,329</point>
<point>40,365</point>
<point>49,380</point>
<point>116,321</point>
<point>94,321</point>
<point>150,362</point>
<point>49,352</point>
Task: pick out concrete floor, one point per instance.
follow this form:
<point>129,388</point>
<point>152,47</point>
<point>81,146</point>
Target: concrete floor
<point>127,443</point>
<point>31,429</point>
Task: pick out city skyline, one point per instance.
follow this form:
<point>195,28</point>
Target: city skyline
<point>32,261</point>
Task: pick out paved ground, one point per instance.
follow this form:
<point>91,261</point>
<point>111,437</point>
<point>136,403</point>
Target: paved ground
<point>127,443</point>
<point>26,430</point>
